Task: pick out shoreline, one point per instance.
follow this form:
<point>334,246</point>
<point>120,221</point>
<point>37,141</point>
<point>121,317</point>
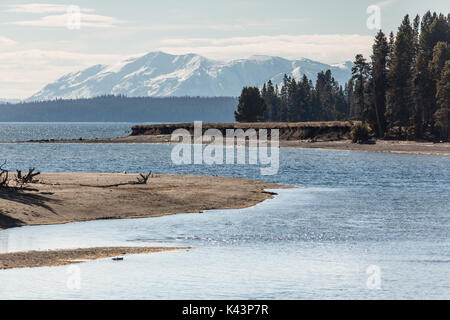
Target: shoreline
<point>63,257</point>
<point>387,146</point>
<point>61,198</point>
<point>383,146</point>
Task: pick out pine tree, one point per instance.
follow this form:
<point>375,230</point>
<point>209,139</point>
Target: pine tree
<point>326,92</point>
<point>350,99</point>
<point>360,72</point>
<point>441,53</point>
<point>271,99</point>
<point>443,99</point>
<point>340,107</point>
<point>416,33</point>
<point>391,49</point>
<point>264,96</point>
<point>284,95</point>
<point>434,29</point>
<point>251,107</point>
<point>304,95</point>
<point>399,94</point>
<point>422,78</point>
<point>379,83</point>
<point>292,102</point>
<point>439,32</point>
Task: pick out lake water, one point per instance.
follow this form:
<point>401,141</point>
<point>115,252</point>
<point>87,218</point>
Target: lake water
<point>353,213</point>
<point>24,131</point>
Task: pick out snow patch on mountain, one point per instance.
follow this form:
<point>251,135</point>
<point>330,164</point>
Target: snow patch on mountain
<point>161,74</point>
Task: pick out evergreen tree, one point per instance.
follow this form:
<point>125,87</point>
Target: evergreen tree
<point>441,53</point>
<point>422,78</point>
<point>264,96</point>
<point>284,93</point>
<point>443,99</point>
<point>340,107</point>
<point>379,82</point>
<point>416,33</point>
<point>304,96</point>
<point>311,101</point>
<point>399,94</point>
<point>293,106</point>
<point>271,99</point>
<point>350,99</point>
<point>360,72</point>
<point>251,107</point>
<point>434,29</point>
<point>325,88</point>
<point>391,49</point>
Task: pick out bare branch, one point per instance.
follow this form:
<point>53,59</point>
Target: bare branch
<point>20,180</point>
<point>142,179</point>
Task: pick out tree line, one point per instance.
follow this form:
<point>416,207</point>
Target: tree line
<point>111,108</point>
<point>402,92</point>
<point>295,101</point>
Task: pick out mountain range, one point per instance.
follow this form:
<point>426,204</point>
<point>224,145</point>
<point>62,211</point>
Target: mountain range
<point>160,74</point>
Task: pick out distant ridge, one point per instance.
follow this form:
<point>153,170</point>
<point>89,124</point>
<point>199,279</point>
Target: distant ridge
<point>123,109</point>
<point>2,101</point>
<point>160,74</point>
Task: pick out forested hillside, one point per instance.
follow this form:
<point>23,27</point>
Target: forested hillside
<point>123,109</point>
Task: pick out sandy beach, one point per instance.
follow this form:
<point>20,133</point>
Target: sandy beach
<point>73,197</point>
<point>52,258</point>
<point>392,146</point>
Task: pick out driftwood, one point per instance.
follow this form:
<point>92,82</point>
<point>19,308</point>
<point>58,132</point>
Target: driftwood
<point>20,180</point>
<point>142,179</point>
<point>4,179</point>
<point>28,178</point>
<point>4,176</point>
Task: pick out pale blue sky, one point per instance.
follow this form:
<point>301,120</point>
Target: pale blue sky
<point>36,46</point>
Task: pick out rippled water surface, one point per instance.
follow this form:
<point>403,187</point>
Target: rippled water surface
<point>352,210</point>
<point>24,131</point>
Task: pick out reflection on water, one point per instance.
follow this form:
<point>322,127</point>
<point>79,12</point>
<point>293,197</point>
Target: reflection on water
<point>278,249</point>
<point>4,242</point>
<point>353,210</point>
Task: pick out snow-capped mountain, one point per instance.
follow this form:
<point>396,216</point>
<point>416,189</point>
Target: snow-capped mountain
<point>160,74</point>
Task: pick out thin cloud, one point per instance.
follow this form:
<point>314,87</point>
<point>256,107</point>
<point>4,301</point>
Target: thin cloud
<point>385,3</point>
<point>329,48</point>
<point>57,16</point>
<point>4,41</point>
<point>193,26</point>
<point>28,71</point>
<point>237,26</point>
<point>86,20</point>
<point>25,72</point>
<point>41,8</point>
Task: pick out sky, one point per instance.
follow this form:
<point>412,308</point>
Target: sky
<point>40,41</point>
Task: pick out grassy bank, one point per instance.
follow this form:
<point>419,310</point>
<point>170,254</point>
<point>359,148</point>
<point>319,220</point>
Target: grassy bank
<point>288,130</point>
